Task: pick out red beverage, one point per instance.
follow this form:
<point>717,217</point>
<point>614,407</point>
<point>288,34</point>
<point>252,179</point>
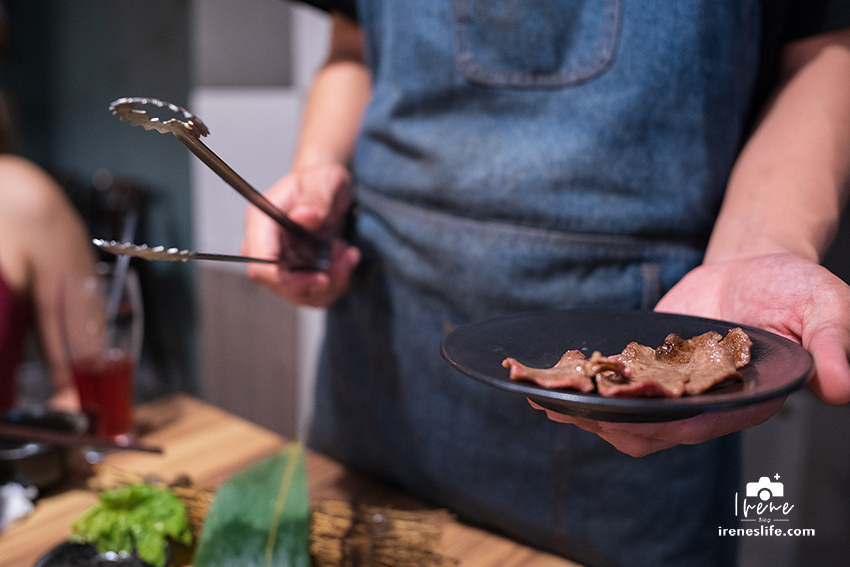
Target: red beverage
<point>105,387</point>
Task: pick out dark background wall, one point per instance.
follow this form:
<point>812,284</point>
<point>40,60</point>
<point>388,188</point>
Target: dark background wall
<point>65,61</point>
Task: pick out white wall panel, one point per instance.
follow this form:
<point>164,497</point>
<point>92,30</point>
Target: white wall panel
<point>254,131</point>
<point>252,344</point>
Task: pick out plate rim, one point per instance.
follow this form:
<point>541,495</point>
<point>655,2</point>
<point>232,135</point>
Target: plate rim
<point>692,405</point>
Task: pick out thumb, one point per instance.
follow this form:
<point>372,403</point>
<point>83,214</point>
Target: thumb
<point>831,381</point>
<point>319,189</point>
<point>310,213</point>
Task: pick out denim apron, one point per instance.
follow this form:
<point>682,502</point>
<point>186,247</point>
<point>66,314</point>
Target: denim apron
<point>524,155</point>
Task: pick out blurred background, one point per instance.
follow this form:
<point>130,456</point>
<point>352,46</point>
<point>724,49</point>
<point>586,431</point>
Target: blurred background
<point>243,67</point>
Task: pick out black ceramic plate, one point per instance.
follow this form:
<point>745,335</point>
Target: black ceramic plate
<point>778,366</point>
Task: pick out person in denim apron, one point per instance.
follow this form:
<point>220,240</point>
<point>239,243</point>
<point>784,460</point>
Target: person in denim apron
<point>575,156</point>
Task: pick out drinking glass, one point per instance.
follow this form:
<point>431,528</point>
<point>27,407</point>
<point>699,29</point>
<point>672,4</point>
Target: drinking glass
<point>101,322</point>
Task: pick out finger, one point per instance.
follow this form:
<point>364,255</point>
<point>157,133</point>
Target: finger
<point>316,201</point>
<point>709,425</point>
<point>262,234</point>
<point>262,239</point>
<point>321,289</point>
<point>65,399</point>
<point>636,446</point>
<point>831,380</point>
<point>640,439</point>
<point>310,289</point>
<point>586,424</point>
<point>344,259</point>
<point>630,443</point>
<point>642,430</point>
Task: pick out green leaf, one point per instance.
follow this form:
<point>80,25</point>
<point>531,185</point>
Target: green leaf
<point>260,517</point>
<point>138,514</point>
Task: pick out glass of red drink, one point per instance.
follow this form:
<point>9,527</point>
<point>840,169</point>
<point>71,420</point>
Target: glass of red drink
<point>101,321</point>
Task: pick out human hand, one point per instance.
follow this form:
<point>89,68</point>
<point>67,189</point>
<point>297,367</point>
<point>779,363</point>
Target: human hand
<point>65,398</point>
<point>781,293</point>
<point>641,439</point>
<point>316,198</point>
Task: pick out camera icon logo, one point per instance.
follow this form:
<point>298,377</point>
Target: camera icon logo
<point>765,489</point>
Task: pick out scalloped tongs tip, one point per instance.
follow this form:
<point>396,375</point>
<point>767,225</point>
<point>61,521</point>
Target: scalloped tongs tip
<point>307,250</point>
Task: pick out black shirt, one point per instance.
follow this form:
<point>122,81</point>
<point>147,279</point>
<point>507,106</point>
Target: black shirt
<point>782,21</point>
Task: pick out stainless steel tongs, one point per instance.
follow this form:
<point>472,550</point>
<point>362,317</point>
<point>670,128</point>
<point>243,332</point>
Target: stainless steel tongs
<point>155,253</point>
<point>307,251</point>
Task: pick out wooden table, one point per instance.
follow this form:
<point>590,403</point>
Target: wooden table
<point>211,445</point>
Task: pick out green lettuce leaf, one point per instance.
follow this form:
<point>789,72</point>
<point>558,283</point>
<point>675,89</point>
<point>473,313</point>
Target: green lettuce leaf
<point>260,517</point>
<point>137,516</point>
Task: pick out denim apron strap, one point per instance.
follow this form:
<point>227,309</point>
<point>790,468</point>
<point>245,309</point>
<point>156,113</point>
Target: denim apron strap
<point>572,158</point>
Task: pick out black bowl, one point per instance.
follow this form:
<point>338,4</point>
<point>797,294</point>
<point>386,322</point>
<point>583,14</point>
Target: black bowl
<point>71,554</point>
<point>42,465</point>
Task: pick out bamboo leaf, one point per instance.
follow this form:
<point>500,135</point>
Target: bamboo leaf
<point>260,517</point>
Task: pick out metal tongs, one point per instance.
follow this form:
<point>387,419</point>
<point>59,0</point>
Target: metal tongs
<point>146,252</point>
<point>307,250</point>
<point>41,435</point>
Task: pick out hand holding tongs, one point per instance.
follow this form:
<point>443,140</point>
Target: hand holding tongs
<point>308,251</point>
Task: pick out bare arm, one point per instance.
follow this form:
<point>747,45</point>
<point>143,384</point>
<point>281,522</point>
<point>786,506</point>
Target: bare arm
<point>791,182</point>
<point>49,240</point>
<point>337,98</point>
<point>316,192</point>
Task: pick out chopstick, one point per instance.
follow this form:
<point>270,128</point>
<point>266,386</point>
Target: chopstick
<point>41,435</point>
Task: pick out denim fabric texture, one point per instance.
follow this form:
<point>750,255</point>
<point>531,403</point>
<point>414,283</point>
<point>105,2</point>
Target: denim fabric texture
<point>554,45</point>
<point>577,163</point>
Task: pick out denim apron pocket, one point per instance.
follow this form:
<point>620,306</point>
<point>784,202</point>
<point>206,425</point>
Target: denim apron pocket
<point>484,268</point>
<point>554,44</point>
